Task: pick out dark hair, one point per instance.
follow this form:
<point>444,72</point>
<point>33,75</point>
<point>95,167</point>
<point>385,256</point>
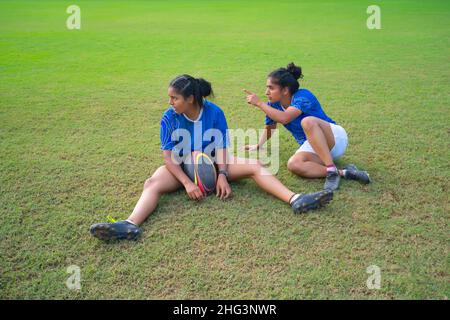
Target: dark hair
<point>187,85</point>
<point>287,77</point>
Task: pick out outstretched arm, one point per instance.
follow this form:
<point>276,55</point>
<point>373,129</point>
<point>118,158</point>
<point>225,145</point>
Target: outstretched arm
<point>283,117</point>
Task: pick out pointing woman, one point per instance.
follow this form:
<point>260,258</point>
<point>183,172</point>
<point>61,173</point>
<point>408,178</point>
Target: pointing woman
<point>321,140</point>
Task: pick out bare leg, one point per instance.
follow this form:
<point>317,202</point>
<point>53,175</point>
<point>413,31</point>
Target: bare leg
<point>240,168</point>
<point>162,181</point>
<point>320,136</point>
<point>307,165</point>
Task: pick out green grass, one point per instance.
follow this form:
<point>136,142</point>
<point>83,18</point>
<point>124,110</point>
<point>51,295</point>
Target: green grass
<point>79,134</point>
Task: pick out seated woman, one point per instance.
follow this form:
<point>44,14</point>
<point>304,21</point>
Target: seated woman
<point>190,113</point>
<point>321,140</point>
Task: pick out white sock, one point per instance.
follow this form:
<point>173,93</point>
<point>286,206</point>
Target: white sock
<point>294,197</point>
<point>128,220</point>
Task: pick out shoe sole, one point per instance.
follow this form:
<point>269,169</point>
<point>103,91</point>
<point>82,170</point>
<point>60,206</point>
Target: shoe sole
<point>106,233</point>
<point>319,201</point>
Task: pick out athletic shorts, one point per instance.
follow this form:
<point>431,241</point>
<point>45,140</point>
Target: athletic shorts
<point>340,142</point>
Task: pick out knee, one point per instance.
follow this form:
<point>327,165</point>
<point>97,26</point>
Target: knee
<point>257,168</point>
<point>259,164</point>
<point>296,166</point>
<point>292,164</point>
<point>308,123</point>
<point>150,183</point>
<point>154,180</point>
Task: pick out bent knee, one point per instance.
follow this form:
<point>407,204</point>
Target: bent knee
<point>151,183</point>
<point>296,166</point>
<point>308,123</point>
<point>292,164</point>
<point>257,167</point>
<point>154,179</point>
<point>148,183</point>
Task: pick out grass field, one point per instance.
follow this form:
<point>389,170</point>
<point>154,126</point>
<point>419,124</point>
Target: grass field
<point>79,134</point>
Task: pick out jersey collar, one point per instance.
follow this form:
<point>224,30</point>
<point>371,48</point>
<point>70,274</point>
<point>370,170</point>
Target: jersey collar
<point>198,118</point>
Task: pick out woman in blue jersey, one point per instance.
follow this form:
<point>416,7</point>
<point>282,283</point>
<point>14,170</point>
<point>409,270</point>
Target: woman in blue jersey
<point>193,123</point>
<point>321,140</point>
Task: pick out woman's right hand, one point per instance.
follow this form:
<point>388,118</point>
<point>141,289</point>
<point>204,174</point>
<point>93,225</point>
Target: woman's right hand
<point>193,191</point>
<point>251,147</point>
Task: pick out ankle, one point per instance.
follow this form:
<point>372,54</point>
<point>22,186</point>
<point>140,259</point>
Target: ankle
<point>132,222</point>
<point>331,168</point>
<point>293,197</point>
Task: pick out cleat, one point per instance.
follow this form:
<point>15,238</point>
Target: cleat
<point>332,181</point>
<point>115,231</point>
<point>353,173</point>
<point>311,201</point>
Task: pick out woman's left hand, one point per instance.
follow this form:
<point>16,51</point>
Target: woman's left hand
<point>252,98</point>
<point>223,189</point>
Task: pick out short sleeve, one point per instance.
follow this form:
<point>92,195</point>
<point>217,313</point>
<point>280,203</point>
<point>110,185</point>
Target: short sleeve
<point>302,103</point>
<point>165,133</point>
<point>269,121</point>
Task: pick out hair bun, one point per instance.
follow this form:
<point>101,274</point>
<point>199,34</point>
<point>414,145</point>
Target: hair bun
<point>294,70</point>
<point>204,86</point>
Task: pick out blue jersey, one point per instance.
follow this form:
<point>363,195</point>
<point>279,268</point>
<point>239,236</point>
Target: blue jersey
<point>308,104</point>
<point>207,133</point>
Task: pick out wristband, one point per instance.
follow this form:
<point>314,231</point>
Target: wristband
<point>225,173</point>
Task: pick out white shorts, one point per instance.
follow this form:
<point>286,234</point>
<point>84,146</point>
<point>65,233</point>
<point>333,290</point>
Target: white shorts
<point>340,142</point>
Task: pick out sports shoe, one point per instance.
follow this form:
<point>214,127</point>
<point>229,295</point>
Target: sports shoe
<point>353,173</point>
<point>311,201</point>
<point>115,231</point>
<point>332,180</point>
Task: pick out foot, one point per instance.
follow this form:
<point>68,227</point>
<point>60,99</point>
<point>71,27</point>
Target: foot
<point>353,173</point>
<point>311,201</point>
<point>332,180</point>
<point>115,231</point>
